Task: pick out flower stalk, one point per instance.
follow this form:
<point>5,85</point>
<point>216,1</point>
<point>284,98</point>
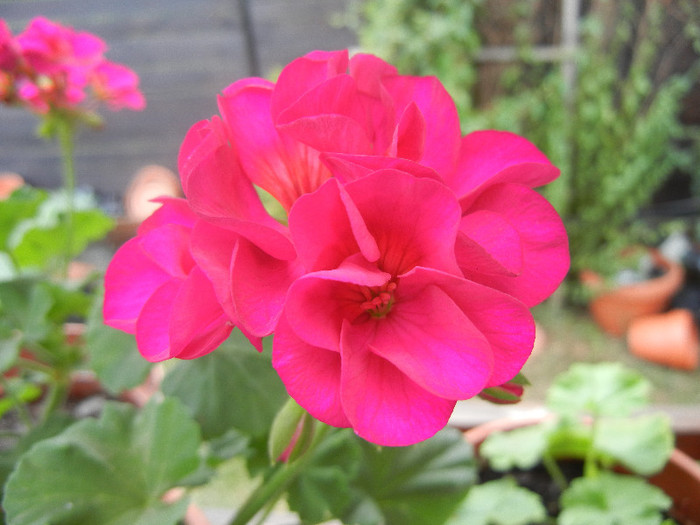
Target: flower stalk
<point>267,494</point>
<point>65,133</point>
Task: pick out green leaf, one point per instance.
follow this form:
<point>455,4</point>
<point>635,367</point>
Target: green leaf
<point>232,387</point>
<point>114,356</point>
<point>602,389</point>
<point>642,444</point>
<point>18,392</point>
<point>518,448</point>
<point>40,240</point>
<point>9,350</point>
<point>21,205</point>
<point>499,502</point>
<point>25,304</point>
<point>611,499</point>
<point>417,485</point>
<point>68,302</point>
<point>111,470</point>
<point>322,491</point>
<point>53,425</point>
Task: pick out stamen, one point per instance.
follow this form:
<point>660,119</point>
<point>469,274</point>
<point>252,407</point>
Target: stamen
<point>379,300</point>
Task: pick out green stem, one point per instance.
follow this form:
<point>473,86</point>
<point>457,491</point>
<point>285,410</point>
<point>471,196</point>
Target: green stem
<point>554,471</point>
<point>20,406</point>
<point>58,392</point>
<point>271,489</point>
<point>65,131</point>
<point>590,465</point>
<point>36,366</point>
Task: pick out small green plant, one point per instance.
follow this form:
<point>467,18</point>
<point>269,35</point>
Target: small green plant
<point>594,420</point>
<point>36,301</point>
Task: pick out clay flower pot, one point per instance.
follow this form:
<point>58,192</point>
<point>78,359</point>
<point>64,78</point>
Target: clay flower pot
<point>680,478</point>
<point>148,183</point>
<point>614,309</point>
<point>669,339</point>
<point>9,182</point>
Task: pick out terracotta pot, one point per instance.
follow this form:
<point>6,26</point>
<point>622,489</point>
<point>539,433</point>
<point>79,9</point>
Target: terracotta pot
<point>149,183</point>
<point>680,478</point>
<point>9,182</point>
<point>613,310</point>
<point>669,339</point>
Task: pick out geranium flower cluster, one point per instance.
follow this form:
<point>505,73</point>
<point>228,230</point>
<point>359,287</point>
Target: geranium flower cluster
<point>399,276</point>
<point>52,67</point>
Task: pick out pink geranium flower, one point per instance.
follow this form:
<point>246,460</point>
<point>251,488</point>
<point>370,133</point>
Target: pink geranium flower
<point>53,67</point>
<point>155,290</point>
<point>382,333</point>
<point>58,63</point>
<point>275,137</point>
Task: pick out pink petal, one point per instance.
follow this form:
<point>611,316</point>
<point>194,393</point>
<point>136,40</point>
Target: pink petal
<point>280,165</point>
<point>489,244</point>
<point>442,128</point>
<point>382,403</point>
<point>172,211</point>
<point>319,302</point>
<point>153,325</point>
<point>327,228</point>
<point>212,248</point>
<point>169,247</point>
<point>347,168</point>
<point>303,74</point>
<point>409,137</point>
<point>259,284</point>
<point>414,220</point>
<point>330,117</point>
<point>429,338</point>
<point>197,324</point>
<point>545,249</point>
<point>369,71</point>
<point>130,279</point>
<point>492,157</point>
<point>218,190</point>
<point>310,374</point>
<point>505,322</point>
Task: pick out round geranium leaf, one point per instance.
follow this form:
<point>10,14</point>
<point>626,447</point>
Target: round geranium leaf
<point>602,389</point>
<point>112,470</point>
<point>612,498</point>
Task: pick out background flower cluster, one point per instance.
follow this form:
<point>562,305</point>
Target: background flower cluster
<point>50,66</point>
<point>341,210</point>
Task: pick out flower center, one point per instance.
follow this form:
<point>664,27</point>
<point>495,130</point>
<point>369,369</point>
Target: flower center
<point>379,299</point>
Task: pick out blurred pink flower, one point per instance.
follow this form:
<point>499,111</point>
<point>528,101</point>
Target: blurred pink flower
<point>117,85</point>
<point>50,48</point>
<point>155,290</point>
<point>57,64</point>
<point>51,66</point>
<point>9,50</point>
<point>383,334</point>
